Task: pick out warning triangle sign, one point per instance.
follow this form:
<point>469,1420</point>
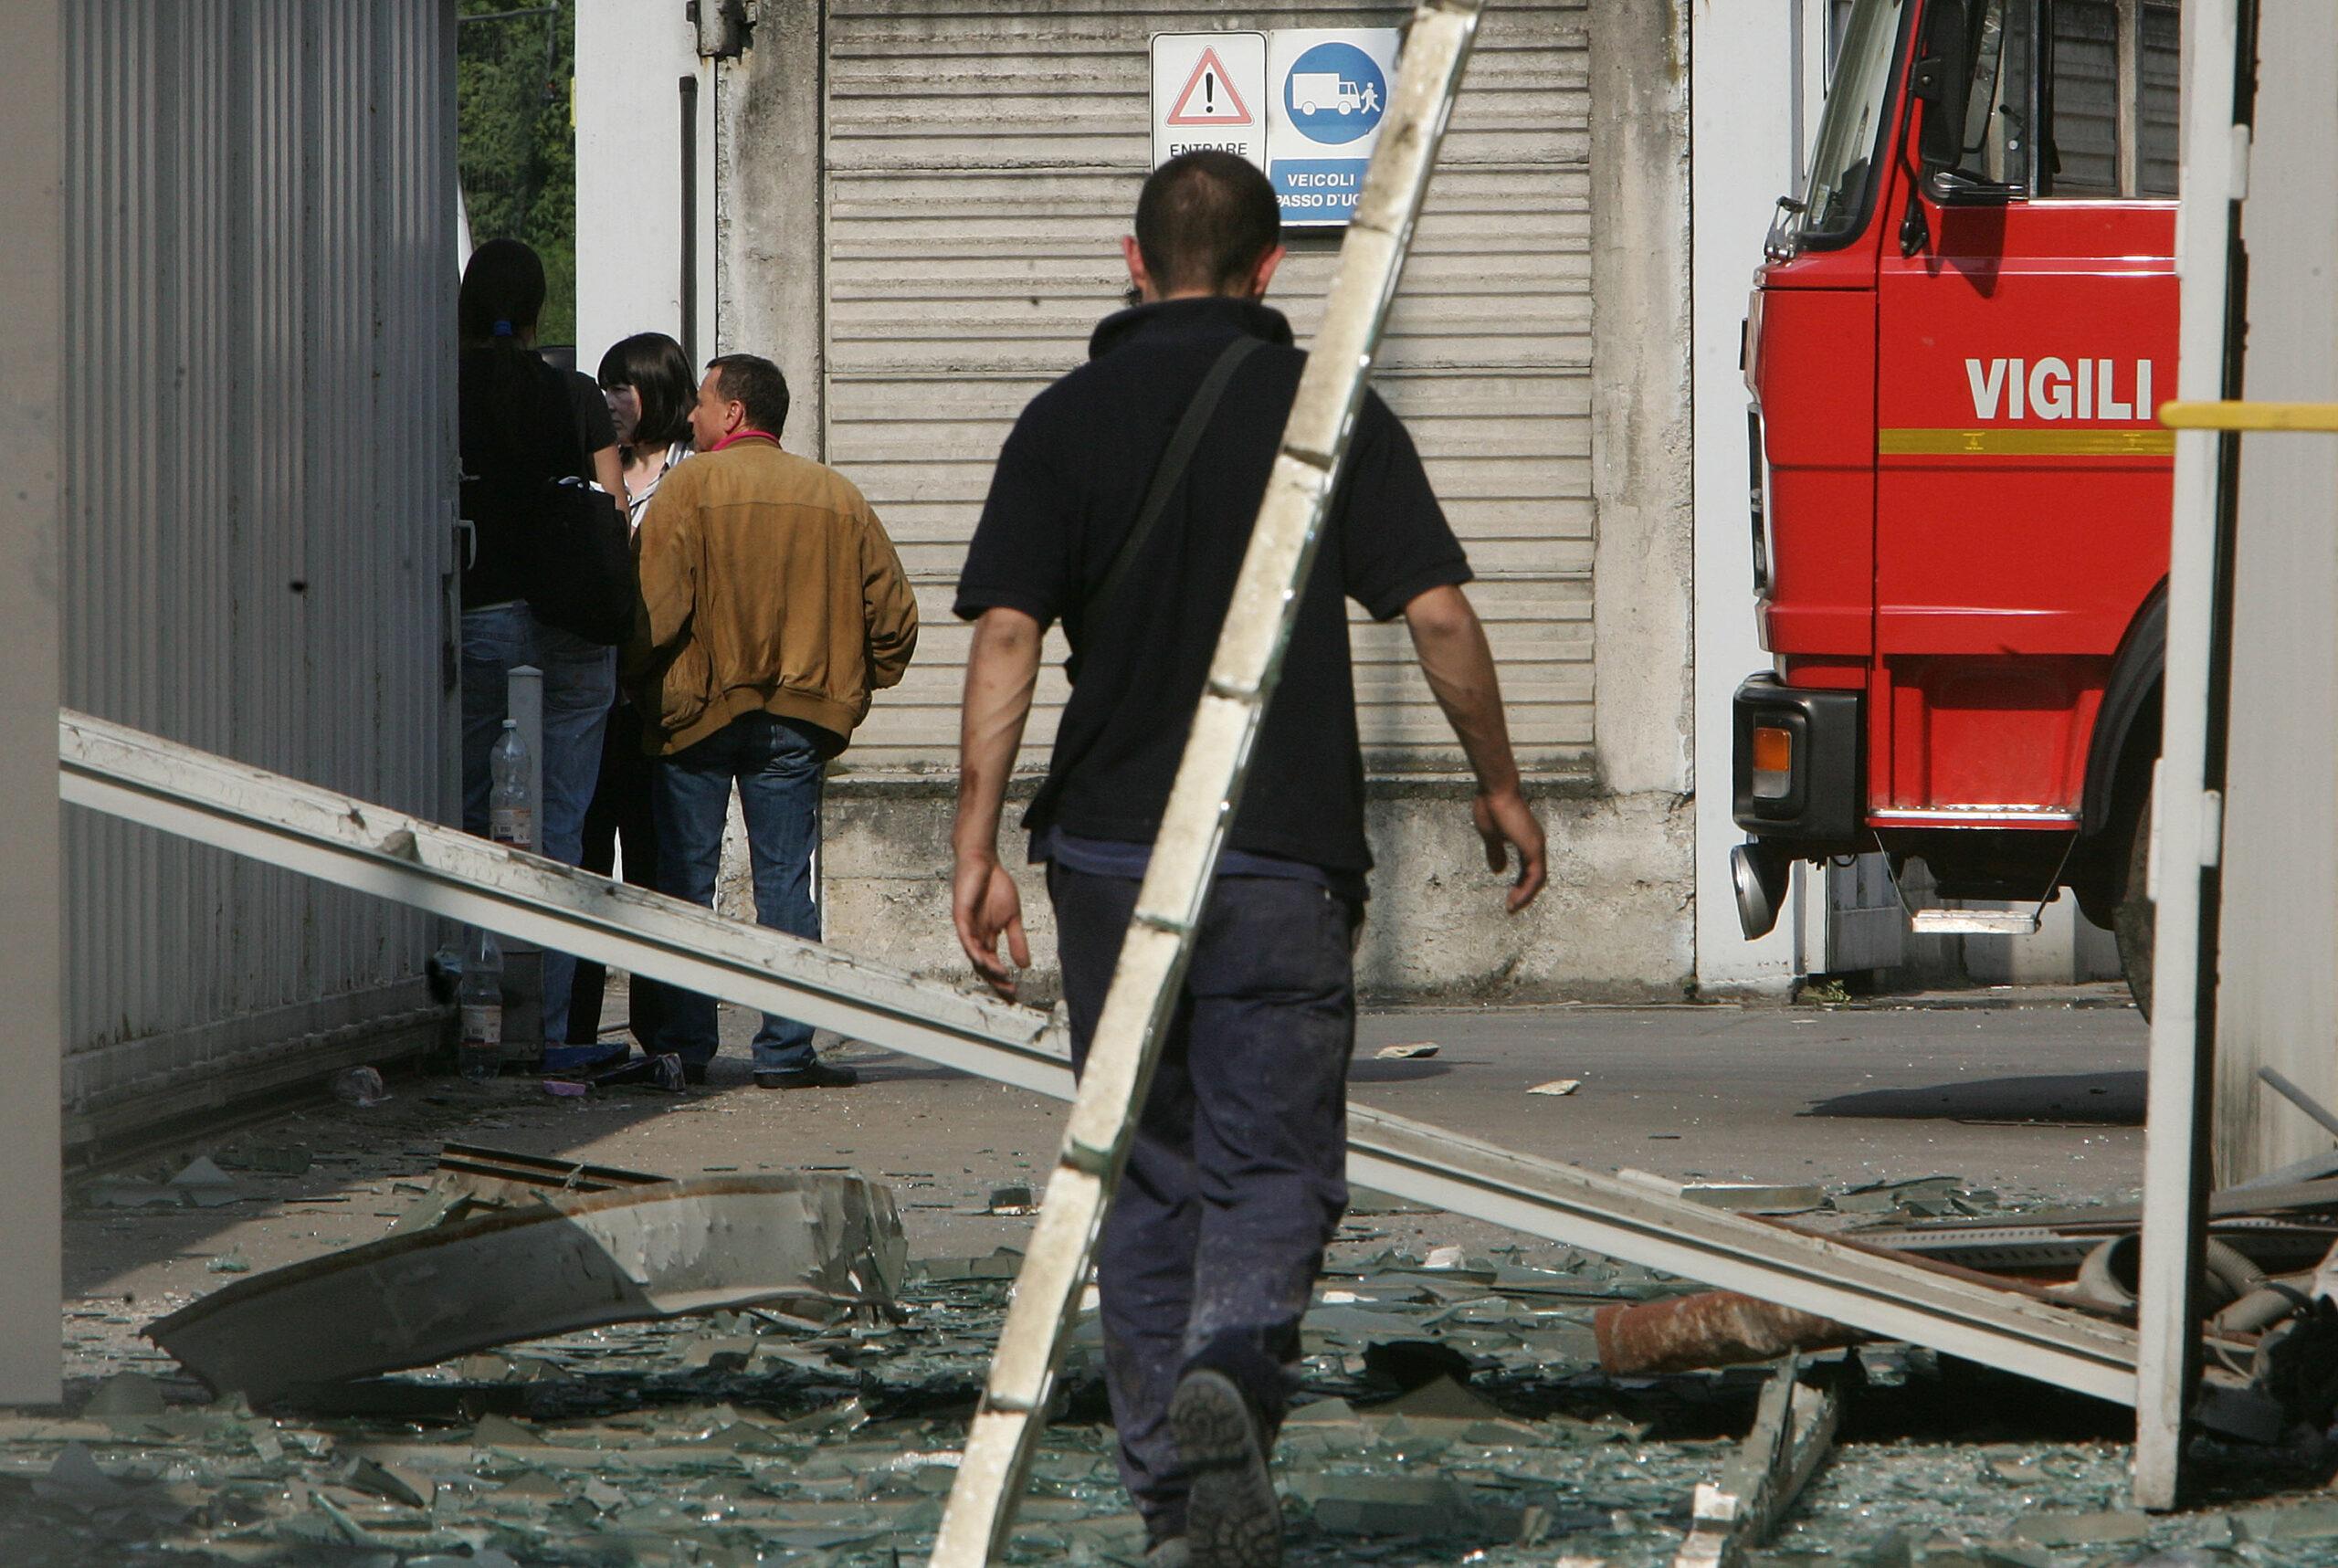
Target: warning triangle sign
<point>1209,98</point>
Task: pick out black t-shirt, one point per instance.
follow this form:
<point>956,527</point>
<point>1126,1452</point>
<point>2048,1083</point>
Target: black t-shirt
<point>522,423</point>
<point>595,429</point>
<point>1068,484</point>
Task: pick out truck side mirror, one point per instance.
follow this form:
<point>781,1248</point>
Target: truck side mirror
<point>1941,83</point>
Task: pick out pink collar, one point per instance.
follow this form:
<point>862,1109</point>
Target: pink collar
<point>736,436</point>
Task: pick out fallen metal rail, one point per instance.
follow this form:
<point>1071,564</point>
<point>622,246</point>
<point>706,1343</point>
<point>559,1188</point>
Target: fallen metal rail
<point>389,854</point>
<point>1948,1309</point>
<point>375,849</point>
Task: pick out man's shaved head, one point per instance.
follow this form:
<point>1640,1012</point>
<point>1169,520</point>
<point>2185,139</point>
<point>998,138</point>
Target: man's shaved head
<point>1204,223</point>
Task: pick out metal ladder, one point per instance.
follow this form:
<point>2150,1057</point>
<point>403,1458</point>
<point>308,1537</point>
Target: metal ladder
<point>1208,788</point>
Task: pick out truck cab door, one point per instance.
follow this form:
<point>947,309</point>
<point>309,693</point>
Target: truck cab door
<point>2026,317</point>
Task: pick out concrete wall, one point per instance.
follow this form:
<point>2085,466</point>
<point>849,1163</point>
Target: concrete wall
<point>1641,430</point>
<point>770,262</point>
<point>1620,919</point>
<point>1606,929</point>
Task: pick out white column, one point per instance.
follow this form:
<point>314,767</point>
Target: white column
<point>1750,67</point>
<point>32,301</point>
<point>631,58</point>
<point>2186,834</point>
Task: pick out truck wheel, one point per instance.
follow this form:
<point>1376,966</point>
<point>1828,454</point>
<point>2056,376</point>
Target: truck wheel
<point>2134,923</point>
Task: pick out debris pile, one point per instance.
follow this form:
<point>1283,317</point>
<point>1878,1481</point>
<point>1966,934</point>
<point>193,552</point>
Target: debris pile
<point>546,1258</point>
<point>1450,1415</point>
<point>742,1370</point>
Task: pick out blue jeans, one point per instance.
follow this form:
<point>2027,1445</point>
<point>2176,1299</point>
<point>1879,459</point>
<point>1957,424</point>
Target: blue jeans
<point>779,766</point>
<point>1237,1175</point>
<point>580,685</point>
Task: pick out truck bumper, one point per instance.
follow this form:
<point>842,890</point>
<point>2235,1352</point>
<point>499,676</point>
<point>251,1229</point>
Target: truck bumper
<point>1795,772</point>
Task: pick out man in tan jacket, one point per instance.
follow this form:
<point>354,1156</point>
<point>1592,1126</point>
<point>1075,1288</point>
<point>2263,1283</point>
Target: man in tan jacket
<point>772,606</point>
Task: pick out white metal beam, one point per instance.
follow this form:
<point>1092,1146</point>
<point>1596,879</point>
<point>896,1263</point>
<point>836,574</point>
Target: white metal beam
<point>177,789</point>
<point>391,855</point>
<point>1952,1311</point>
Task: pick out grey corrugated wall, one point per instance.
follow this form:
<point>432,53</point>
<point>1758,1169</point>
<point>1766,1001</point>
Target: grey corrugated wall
<point>981,167</point>
<point>259,491</point>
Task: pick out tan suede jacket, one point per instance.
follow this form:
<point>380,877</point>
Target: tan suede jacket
<point>767,583</point>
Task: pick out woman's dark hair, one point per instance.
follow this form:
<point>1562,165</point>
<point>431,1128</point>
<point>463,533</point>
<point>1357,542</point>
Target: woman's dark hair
<point>514,416</point>
<point>653,365</point>
<point>502,294</point>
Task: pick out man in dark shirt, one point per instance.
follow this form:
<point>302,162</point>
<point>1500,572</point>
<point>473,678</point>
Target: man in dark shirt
<point>1235,1180</point>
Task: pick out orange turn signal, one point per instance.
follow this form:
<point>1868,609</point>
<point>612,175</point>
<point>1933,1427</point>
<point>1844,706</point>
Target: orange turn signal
<point>1772,749</point>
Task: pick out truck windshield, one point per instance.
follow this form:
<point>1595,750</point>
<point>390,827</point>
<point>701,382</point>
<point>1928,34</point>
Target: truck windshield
<point>1844,159</point>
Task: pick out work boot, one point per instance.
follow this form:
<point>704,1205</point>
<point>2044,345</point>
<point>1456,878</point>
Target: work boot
<point>817,1075</point>
<point>1170,1552</point>
<point>1233,1519</point>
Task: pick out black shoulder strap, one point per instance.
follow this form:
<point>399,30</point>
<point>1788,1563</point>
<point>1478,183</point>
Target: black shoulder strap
<point>1175,459</point>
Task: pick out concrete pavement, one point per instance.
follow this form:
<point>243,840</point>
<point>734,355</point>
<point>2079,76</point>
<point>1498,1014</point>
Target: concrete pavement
<point>2046,1100</point>
<point>2041,1100</point>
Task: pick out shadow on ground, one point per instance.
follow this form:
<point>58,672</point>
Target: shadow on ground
<point>2090,1099</point>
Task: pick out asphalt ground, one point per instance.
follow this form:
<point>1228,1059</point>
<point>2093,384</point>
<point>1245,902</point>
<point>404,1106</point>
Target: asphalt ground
<point>2032,1101</point>
<point>2042,1101</point>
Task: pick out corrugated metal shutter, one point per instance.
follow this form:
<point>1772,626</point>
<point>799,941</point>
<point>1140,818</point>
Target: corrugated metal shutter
<point>2086,98</point>
<point>2088,95</point>
<point>982,168</point>
<point>2162,72</point>
<point>259,451</point>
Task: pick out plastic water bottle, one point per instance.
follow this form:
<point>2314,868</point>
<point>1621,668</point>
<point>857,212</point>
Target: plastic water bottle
<point>479,1000</point>
<point>511,806</point>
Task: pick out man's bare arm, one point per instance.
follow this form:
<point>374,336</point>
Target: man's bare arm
<point>1451,647</point>
<point>1001,673</point>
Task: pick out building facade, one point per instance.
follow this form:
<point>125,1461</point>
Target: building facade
<point>917,211</point>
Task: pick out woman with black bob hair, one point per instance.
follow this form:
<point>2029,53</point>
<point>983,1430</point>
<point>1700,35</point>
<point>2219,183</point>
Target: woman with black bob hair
<point>521,427</point>
<point>647,383</point>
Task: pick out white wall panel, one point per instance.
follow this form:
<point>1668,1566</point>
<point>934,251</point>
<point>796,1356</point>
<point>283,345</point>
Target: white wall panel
<point>630,61</point>
<point>2276,980</point>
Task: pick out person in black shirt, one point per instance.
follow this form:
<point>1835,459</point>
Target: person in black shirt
<point>1234,1180</point>
<point>521,426</point>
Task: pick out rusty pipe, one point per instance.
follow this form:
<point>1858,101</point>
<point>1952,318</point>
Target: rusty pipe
<point>1714,1327</point>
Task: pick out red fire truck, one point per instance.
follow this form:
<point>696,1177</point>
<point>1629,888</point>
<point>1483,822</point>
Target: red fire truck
<point>1956,348</point>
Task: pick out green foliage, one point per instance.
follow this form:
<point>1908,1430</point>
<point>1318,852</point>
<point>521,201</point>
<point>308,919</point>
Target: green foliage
<point>517,141</point>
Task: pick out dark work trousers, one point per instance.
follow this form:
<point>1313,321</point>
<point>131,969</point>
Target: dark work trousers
<point>1236,1178</point>
<point>620,812</point>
